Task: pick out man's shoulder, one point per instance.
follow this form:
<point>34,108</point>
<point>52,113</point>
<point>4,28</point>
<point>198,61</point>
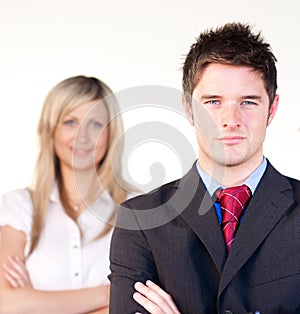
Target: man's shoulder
<point>287,184</point>
<point>156,196</point>
<point>276,175</point>
<point>165,192</point>
<point>294,182</point>
<point>296,188</point>
<point>148,211</point>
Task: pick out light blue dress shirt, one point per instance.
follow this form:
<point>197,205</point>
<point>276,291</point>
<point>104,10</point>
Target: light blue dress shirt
<point>211,185</point>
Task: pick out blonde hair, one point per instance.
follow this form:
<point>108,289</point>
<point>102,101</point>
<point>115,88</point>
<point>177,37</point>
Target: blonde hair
<point>63,98</point>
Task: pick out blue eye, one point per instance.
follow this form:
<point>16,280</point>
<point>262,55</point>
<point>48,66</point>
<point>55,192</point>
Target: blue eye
<point>70,122</point>
<point>97,125</point>
<point>213,102</point>
<point>248,103</point>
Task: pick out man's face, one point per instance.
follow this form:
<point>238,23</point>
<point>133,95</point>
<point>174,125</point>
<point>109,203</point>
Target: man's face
<point>230,111</point>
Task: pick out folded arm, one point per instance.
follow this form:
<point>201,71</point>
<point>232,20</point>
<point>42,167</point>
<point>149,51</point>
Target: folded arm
<point>131,260</point>
<point>17,295</point>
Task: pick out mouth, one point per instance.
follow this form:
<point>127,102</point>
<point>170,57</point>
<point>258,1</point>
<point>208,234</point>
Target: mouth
<point>80,152</point>
<point>231,139</point>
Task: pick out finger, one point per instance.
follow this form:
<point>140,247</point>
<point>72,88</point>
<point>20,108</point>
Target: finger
<point>163,294</point>
<point>161,303</point>
<point>13,282</point>
<point>147,304</point>
<point>14,275</point>
<point>17,264</point>
<point>20,268</point>
<point>25,272</point>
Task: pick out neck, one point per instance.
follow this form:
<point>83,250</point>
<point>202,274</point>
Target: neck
<point>230,175</point>
<point>77,187</point>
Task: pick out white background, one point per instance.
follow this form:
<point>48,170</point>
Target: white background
<point>127,44</point>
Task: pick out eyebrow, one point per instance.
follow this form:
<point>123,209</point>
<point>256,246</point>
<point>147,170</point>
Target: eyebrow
<point>205,97</point>
<point>252,97</point>
<point>69,116</point>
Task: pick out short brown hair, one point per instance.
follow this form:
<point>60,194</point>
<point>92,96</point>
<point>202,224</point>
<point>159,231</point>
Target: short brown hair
<point>232,44</point>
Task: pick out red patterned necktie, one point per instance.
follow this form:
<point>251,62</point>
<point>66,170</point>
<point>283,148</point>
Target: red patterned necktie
<point>232,201</point>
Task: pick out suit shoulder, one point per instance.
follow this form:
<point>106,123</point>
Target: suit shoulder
<point>284,182</point>
<point>296,188</point>
<point>155,197</point>
<point>295,182</point>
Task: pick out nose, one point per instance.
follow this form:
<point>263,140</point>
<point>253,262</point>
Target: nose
<point>82,135</point>
<point>231,116</point>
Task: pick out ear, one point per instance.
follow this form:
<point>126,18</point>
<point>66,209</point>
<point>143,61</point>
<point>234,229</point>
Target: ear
<point>273,109</point>
<point>188,109</point>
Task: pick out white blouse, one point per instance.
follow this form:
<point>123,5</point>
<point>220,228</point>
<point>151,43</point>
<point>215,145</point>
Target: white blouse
<point>64,259</point>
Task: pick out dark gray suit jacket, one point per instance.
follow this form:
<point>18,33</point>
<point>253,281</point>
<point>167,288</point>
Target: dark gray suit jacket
<point>176,241</point>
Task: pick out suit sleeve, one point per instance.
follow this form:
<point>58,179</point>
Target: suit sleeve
<point>131,260</point>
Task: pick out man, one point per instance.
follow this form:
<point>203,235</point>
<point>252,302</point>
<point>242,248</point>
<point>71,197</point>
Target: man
<point>226,237</point>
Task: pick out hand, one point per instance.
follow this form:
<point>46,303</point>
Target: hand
<point>154,299</point>
<point>15,272</point>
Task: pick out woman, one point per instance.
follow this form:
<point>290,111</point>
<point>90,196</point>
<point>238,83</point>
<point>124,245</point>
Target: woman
<point>55,234</point>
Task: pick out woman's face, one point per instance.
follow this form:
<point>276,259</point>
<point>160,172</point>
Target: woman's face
<point>81,137</point>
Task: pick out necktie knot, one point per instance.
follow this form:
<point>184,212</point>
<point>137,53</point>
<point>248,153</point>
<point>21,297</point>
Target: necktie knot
<point>232,201</point>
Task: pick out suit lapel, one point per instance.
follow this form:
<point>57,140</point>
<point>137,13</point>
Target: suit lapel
<point>199,213</point>
<point>264,211</point>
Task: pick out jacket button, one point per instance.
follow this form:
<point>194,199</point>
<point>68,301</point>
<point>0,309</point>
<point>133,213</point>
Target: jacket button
<point>228,312</point>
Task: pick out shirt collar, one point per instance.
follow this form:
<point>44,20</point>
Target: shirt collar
<point>252,181</point>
